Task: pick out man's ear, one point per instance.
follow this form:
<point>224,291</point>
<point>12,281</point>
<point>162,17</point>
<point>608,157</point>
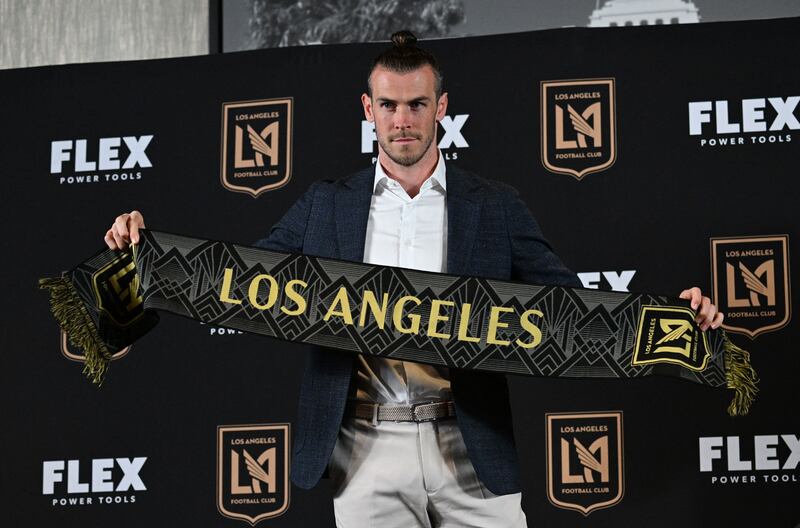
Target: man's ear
<point>441,106</point>
<point>366,102</point>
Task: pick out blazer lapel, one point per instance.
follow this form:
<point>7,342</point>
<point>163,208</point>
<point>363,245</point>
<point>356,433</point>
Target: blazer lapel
<point>352,202</point>
<point>464,201</point>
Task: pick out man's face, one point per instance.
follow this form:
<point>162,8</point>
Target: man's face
<point>404,109</point>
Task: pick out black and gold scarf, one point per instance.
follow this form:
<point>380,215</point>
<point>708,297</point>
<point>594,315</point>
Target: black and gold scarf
<point>111,299</point>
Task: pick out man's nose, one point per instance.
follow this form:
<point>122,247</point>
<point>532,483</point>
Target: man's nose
<point>402,118</point>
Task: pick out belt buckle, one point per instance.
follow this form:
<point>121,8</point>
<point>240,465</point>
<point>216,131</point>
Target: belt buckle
<point>375,408</point>
<point>414,416</point>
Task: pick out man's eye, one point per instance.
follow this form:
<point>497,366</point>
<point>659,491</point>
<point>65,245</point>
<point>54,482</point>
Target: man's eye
<point>416,104</point>
<point>387,105</point>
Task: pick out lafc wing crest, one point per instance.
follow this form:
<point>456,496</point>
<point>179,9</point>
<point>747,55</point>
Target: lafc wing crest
<point>257,145</point>
<point>253,471</point>
<point>578,126</point>
<point>752,282</point>
<point>585,460</point>
<point>666,334</point>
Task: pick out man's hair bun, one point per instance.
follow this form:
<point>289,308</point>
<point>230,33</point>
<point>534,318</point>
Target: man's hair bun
<point>403,38</point>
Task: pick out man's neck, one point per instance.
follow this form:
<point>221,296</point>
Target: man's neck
<point>410,178</point>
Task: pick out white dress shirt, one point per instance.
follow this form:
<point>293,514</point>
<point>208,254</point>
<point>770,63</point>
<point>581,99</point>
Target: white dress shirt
<point>408,233</point>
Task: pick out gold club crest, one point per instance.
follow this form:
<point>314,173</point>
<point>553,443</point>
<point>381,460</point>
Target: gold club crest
<point>668,334</point>
<point>750,277</point>
<point>253,471</point>
<point>584,460</point>
<point>256,145</point>
<point>578,126</point>
<point>116,290</point>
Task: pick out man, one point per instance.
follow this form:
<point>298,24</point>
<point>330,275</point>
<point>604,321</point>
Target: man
<point>409,444</point>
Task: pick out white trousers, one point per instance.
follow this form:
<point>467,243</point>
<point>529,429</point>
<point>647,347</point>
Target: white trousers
<point>405,475</point>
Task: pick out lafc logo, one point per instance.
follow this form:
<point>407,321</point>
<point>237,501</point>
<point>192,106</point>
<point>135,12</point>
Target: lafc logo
<point>256,145</point>
<point>584,460</point>
<point>116,289</point>
<point>675,330</point>
<point>253,471</point>
<point>668,334</point>
<point>578,126</point>
<point>751,282</point>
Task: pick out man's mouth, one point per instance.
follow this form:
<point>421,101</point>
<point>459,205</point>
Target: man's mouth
<point>405,138</point>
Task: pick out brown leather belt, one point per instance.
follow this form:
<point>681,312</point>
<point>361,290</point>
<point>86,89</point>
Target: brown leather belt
<point>418,412</point>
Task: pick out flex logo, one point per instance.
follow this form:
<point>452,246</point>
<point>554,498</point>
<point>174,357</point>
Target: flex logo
<point>253,471</point>
<point>584,460</point>
<point>451,126</point>
<point>747,121</point>
<point>668,334</point>
<point>615,281</point>
<point>108,481</point>
<point>108,154</point>
<point>761,459</point>
<point>256,145</point>
<point>752,116</point>
<point>750,277</point>
<point>104,476</point>
<point>117,158</point>
<point>578,126</point>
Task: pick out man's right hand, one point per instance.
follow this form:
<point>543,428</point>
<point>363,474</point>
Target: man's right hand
<point>124,230</point>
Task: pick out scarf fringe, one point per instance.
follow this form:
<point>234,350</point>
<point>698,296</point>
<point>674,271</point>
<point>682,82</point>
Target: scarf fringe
<point>73,318</point>
<point>741,378</point>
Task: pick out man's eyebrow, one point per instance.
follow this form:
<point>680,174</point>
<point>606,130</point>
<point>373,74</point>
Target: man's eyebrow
<point>420,99</point>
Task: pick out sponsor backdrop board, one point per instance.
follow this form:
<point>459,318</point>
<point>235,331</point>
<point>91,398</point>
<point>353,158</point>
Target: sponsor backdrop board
<point>654,158</point>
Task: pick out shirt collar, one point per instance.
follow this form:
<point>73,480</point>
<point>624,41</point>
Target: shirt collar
<point>439,175</point>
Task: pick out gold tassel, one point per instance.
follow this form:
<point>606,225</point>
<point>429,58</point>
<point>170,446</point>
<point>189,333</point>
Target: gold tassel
<point>69,311</point>
<point>741,377</point>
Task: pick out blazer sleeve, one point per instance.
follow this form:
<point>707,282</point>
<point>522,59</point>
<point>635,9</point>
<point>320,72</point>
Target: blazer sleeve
<point>288,234</point>
<point>532,257</point>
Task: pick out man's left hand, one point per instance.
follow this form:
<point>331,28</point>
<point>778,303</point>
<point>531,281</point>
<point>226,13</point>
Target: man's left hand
<point>707,315</point>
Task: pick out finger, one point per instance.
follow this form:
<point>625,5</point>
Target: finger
<point>718,320</point>
<point>696,298</point>
<point>135,221</point>
<point>137,217</point>
<point>693,295</point>
<point>121,244</point>
<point>109,239</point>
<point>121,225</point>
<point>118,239</point>
<point>705,307</point>
<point>701,316</point>
<point>706,314</point>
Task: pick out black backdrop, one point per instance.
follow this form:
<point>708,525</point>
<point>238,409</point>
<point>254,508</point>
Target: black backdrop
<point>653,211</point>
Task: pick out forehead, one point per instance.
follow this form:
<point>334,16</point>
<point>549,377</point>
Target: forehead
<point>403,86</point>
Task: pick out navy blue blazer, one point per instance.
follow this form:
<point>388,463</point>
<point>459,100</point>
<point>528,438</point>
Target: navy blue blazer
<point>491,234</point>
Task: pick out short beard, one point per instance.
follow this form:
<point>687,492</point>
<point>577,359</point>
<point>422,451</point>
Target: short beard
<point>409,159</point>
